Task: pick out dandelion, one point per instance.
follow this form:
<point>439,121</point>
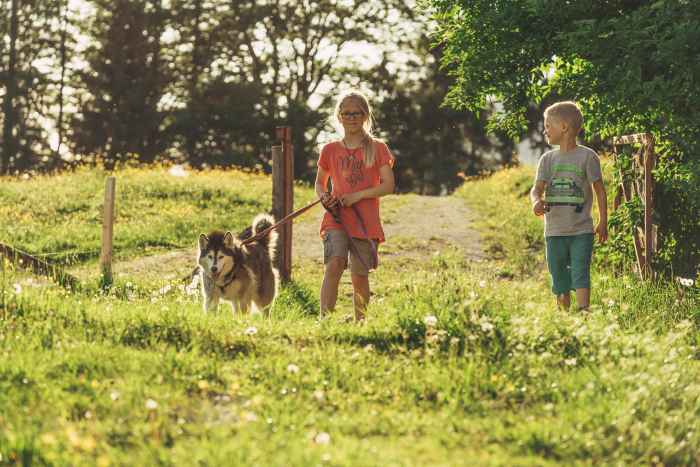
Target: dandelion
<point>292,368</point>
<point>249,417</point>
<point>322,438</point>
<point>178,171</point>
<point>18,289</point>
<point>430,321</point>
<point>251,331</point>
<point>570,362</point>
<point>151,404</point>
<point>685,281</point>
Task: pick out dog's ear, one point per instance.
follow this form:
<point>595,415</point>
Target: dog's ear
<point>203,240</point>
<point>228,240</point>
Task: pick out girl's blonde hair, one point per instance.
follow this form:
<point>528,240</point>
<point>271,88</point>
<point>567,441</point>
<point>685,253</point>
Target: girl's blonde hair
<point>367,127</point>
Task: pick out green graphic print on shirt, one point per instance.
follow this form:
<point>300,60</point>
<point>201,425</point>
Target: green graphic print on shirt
<point>563,189</point>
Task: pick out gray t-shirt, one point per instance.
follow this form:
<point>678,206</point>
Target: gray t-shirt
<point>568,177</point>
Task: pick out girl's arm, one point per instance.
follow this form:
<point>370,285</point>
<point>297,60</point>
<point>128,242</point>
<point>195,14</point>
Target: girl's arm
<point>386,187</point>
<point>322,188</point>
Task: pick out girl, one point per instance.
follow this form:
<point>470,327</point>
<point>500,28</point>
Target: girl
<point>360,168</point>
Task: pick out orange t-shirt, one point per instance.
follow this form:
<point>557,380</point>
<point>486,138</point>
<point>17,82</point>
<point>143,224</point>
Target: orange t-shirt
<point>348,175</point>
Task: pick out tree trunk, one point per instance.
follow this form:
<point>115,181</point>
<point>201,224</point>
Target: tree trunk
<point>59,124</point>
<point>9,145</point>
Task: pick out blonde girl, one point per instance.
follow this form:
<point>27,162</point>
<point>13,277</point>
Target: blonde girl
<point>359,167</point>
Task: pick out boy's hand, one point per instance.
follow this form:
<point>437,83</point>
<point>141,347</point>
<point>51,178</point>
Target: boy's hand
<point>349,199</point>
<point>539,207</point>
<point>602,231</point>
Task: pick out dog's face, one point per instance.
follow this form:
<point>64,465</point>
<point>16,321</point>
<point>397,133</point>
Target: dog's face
<point>217,253</point>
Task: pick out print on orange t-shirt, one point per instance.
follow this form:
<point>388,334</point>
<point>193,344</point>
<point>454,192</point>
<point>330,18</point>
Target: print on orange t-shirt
<point>349,175</point>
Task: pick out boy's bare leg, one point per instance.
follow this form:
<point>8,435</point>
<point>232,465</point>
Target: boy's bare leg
<point>360,296</point>
<point>564,301</point>
<point>329,287</point>
<point>583,298</point>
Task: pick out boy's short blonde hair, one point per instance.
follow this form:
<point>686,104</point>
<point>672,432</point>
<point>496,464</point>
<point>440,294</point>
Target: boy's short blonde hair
<point>567,111</point>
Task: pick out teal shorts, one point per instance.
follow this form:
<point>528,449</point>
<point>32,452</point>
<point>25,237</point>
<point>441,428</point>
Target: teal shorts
<point>569,262</point>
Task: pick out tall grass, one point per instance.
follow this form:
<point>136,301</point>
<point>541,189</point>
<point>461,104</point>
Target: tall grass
<point>461,363</point>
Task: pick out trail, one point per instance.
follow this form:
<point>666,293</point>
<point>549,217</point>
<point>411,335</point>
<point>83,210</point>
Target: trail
<point>415,227</point>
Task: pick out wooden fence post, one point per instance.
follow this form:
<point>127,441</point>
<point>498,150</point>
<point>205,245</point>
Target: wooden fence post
<point>107,232</point>
<point>283,197</point>
<point>644,161</point>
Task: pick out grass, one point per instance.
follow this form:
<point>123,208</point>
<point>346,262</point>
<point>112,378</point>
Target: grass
<point>461,363</point>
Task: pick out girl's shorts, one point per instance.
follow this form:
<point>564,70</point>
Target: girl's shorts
<point>569,262</point>
<point>337,243</point>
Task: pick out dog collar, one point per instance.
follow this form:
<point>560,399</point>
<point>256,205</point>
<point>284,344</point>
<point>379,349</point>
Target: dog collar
<point>229,277</point>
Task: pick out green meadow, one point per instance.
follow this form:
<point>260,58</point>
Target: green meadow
<point>461,362</point>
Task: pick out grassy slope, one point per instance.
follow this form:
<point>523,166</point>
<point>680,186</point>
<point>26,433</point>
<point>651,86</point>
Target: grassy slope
<point>140,376</point>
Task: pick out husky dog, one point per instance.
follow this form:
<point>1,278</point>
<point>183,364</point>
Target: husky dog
<point>241,274</point>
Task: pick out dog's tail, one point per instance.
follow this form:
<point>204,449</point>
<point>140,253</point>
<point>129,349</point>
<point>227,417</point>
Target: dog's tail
<point>262,222</point>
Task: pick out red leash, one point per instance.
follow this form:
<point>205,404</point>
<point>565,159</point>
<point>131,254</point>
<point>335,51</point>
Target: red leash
<point>284,220</point>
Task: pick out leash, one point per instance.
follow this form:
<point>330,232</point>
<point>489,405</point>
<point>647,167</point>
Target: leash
<point>284,220</point>
<point>353,246</point>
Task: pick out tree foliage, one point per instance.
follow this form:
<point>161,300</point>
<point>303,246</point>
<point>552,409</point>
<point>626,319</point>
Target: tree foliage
<point>633,65</point>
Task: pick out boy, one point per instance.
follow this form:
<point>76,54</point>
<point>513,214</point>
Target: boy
<point>562,192</point>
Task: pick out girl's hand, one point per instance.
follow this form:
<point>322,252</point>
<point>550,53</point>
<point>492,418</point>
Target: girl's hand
<point>329,201</point>
<point>349,199</point>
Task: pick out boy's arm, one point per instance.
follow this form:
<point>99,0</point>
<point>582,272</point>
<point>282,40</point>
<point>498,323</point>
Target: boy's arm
<point>602,199</point>
<point>385,187</point>
<point>536,195</point>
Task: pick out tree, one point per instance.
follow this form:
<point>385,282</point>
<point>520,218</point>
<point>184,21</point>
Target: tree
<point>435,145</point>
<point>633,65</point>
<point>120,116</point>
<point>30,34</point>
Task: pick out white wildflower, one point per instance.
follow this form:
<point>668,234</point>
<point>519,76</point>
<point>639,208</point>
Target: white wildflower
<point>292,368</point>
<point>685,281</point>
<point>611,303</point>
<point>114,395</point>
<point>319,395</point>
<point>251,331</point>
<point>249,417</point>
<point>322,438</point>
<point>18,289</point>
<point>178,171</point>
<point>486,326</point>
<point>151,404</point>
<point>482,284</point>
<point>430,321</point>
<point>570,361</point>
<point>165,289</point>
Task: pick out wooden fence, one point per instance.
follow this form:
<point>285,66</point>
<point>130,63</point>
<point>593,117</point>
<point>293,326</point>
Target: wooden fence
<point>641,185</point>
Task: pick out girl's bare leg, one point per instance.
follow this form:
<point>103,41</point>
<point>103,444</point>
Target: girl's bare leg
<point>360,296</point>
<point>331,279</point>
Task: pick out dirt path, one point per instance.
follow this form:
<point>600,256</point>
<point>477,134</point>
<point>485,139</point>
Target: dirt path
<point>415,226</point>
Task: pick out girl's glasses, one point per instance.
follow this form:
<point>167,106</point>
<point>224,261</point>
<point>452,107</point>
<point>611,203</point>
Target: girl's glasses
<point>351,115</point>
